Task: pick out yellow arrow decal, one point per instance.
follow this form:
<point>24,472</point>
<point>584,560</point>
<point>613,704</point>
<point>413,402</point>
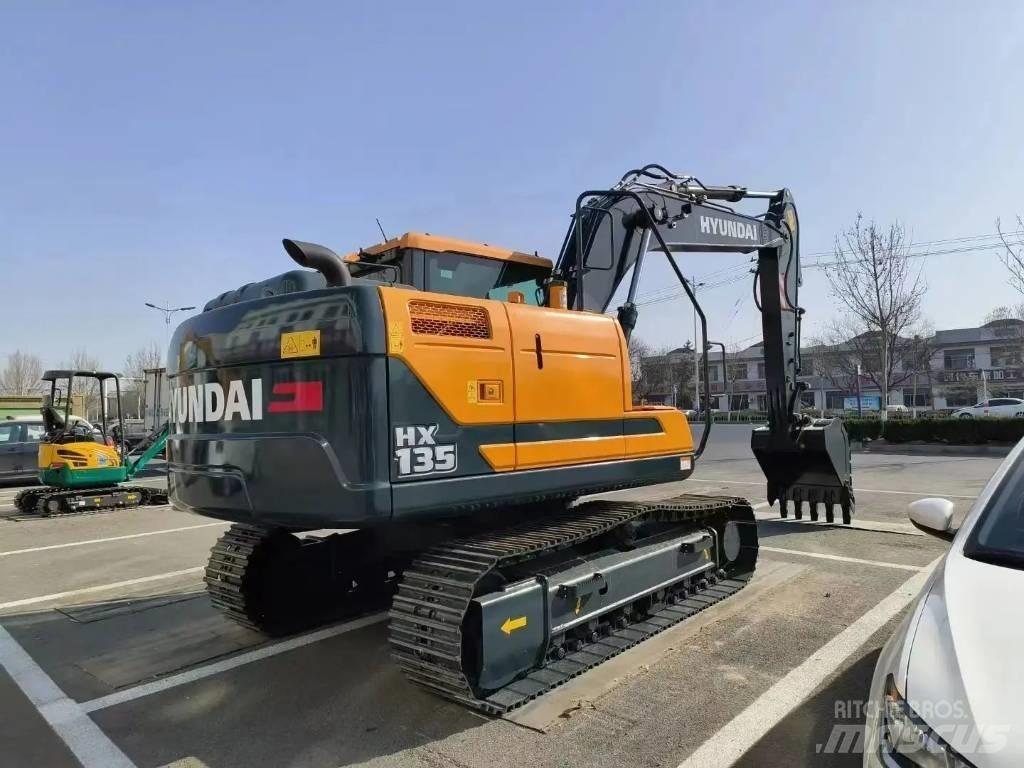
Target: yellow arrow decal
<point>511,625</point>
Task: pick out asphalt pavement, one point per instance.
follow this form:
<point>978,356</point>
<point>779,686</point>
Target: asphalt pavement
<point>112,654</point>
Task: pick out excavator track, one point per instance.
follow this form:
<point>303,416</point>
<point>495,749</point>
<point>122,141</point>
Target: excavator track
<point>59,502</point>
<point>436,590</point>
<point>271,581</point>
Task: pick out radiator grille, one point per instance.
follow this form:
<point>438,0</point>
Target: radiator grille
<point>436,318</point>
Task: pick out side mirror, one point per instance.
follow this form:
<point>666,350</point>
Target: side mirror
<point>933,516</point>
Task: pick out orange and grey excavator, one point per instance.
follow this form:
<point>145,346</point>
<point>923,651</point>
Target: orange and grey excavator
<point>450,404</point>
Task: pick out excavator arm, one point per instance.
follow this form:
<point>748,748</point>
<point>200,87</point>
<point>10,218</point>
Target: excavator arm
<point>652,212</point>
<point>151,448</point>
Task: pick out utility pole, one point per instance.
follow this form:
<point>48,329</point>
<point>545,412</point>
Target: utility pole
<point>860,401</point>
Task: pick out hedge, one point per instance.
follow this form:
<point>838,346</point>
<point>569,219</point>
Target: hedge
<point>953,431</point>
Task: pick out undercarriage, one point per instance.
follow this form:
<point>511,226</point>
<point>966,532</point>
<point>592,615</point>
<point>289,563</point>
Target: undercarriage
<point>56,502</point>
<point>496,616</point>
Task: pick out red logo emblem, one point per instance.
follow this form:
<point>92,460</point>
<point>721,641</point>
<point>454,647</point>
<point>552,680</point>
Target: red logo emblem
<point>306,397</point>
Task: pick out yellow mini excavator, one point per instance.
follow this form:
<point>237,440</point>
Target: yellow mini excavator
<point>450,403</point>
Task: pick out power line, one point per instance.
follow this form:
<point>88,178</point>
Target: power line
<point>736,272</point>
<point>668,294</point>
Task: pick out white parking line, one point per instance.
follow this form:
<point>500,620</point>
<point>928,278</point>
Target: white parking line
<point>842,558</point>
<point>921,494</point>
<point>878,526</point>
<point>110,538</point>
<point>98,588</point>
<point>68,720</point>
<point>257,654</point>
<point>744,730</point>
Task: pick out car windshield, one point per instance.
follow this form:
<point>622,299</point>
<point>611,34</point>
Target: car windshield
<point>998,536</point>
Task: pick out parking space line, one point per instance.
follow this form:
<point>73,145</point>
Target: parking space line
<point>73,726</point>
<point>920,494</point>
<point>110,538</point>
<point>98,588</point>
<point>233,662</point>
<point>741,733</point>
<point>842,559</point>
<point>877,526</point>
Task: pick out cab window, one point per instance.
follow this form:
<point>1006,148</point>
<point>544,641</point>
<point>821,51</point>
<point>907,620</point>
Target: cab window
<point>477,277</point>
<point>34,433</point>
<point>10,433</point>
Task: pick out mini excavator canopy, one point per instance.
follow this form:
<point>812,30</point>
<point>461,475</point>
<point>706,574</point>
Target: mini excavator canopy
<point>654,210</point>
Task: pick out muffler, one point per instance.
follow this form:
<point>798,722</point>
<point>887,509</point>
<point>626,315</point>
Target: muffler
<point>808,462</point>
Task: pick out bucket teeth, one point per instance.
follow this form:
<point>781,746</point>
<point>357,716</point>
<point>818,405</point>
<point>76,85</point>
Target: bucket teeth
<point>816,497</point>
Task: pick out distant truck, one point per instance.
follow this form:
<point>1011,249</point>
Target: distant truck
<point>157,399</point>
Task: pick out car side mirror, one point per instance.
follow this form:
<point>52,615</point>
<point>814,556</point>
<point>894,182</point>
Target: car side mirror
<point>934,516</point>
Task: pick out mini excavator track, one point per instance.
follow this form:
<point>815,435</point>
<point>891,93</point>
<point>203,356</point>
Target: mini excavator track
<point>60,502</point>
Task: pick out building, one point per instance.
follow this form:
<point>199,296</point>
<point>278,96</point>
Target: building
<point>964,366</point>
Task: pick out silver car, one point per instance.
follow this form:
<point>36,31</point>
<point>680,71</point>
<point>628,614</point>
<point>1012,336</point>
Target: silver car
<point>948,689</point>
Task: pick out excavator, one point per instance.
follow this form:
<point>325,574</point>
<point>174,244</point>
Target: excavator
<point>455,407</point>
<point>78,473</point>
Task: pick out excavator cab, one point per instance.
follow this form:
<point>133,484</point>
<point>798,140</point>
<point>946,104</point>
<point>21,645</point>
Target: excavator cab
<point>652,210</point>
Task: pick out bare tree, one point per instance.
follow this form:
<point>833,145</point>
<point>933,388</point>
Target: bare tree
<point>87,389</point>
<point>1013,252</point>
<point>663,370</point>
<point>133,387</point>
<point>639,350</point>
<point>143,359</point>
<point>1016,312</point>
<point>872,280</point>
<point>21,373</point>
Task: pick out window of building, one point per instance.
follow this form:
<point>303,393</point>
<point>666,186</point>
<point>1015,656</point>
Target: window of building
<point>958,359</point>
<point>737,371</point>
<point>713,373</point>
<point>924,398</point>
<point>739,403</point>
<point>961,396</point>
<point>760,370</point>
<point>836,400</point>
<point>1006,356</point>
<point>807,399</point>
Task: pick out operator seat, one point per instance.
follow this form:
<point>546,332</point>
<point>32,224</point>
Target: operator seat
<point>53,422</point>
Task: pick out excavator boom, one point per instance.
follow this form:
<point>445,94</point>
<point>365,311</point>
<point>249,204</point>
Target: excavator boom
<point>653,210</point>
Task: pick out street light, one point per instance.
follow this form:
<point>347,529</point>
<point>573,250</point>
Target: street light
<point>168,312</point>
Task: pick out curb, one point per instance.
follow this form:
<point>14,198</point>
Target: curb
<point>931,449</point>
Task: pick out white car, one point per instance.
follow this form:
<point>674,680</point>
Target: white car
<point>997,407</point>
<point>948,688</point>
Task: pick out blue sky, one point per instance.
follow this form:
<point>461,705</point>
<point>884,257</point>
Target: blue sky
<point>159,152</point>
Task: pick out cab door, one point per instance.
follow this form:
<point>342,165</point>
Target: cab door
<point>569,389</point>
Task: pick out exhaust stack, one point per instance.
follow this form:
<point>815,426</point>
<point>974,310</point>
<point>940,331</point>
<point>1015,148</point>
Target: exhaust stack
<point>322,259</point>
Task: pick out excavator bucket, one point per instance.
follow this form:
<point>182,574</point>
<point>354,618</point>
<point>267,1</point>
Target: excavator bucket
<point>808,463</point>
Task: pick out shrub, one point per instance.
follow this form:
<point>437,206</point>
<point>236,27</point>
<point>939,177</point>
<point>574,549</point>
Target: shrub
<point>930,430</point>
<point>863,429</point>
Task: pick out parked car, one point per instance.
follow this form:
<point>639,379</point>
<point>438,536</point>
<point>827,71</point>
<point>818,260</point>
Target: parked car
<point>897,409</point>
<point>947,686</point>
<point>998,407</point>
<point>19,447</point>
